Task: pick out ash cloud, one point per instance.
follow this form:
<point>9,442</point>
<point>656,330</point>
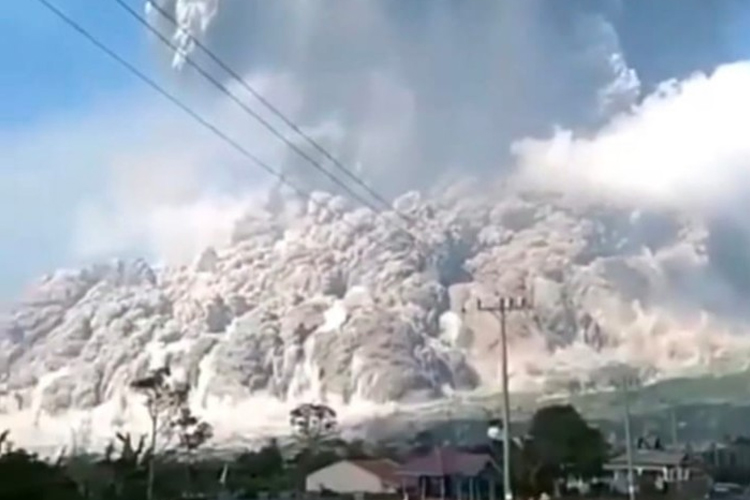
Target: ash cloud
<point>618,102</point>
<point>621,102</point>
<point>619,206</point>
<point>426,88</point>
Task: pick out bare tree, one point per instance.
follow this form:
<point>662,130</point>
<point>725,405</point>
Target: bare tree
<point>192,433</point>
<point>129,454</point>
<point>164,399</point>
<point>131,460</point>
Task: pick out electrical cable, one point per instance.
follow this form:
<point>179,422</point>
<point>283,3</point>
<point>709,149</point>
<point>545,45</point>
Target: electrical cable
<point>270,106</point>
<point>254,114</point>
<point>181,105</point>
<point>169,96</point>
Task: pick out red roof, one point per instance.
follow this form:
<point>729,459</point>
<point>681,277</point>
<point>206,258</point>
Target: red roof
<point>386,470</point>
<point>447,462</point>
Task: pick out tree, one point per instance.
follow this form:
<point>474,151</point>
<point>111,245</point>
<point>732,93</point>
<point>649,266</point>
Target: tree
<point>192,433</point>
<point>260,471</point>
<point>424,440</point>
<point>314,426</point>
<point>164,398</point>
<point>356,450</point>
<point>266,462</point>
<point>531,476</point>
<point>561,444</point>
<point>23,476</point>
<point>128,471</point>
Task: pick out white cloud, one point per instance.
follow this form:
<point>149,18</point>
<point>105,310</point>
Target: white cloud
<point>684,147</point>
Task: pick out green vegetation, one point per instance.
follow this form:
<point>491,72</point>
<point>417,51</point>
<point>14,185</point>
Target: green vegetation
<point>169,462</point>
<point>124,474</point>
<point>560,444</point>
<point>705,408</point>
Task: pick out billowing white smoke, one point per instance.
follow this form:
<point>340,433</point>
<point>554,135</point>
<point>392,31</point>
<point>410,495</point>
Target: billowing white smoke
<point>402,89</point>
<point>684,147</point>
<point>427,101</point>
<point>403,96</point>
<point>410,92</point>
<point>193,19</point>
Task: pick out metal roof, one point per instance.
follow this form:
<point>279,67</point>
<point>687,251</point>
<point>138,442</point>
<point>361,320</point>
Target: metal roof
<point>651,457</point>
<point>447,462</point>
<point>385,469</point>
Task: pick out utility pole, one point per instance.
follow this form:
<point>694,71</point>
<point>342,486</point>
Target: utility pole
<point>673,424</point>
<point>628,440</point>
<point>673,427</point>
<point>501,308</point>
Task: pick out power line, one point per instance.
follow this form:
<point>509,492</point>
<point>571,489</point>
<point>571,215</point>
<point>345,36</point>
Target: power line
<point>278,113</point>
<point>169,96</point>
<point>222,88</point>
<point>177,102</point>
<point>501,309</point>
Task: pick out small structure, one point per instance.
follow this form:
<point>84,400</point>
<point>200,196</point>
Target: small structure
<point>661,468</point>
<point>449,473</point>
<point>729,458</point>
<point>375,476</point>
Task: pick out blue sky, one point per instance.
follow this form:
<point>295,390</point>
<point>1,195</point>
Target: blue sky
<point>93,163</point>
<point>48,68</point>
<point>51,75</point>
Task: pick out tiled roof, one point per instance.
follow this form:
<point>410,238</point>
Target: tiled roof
<point>651,457</point>
<point>447,461</point>
<point>386,470</point>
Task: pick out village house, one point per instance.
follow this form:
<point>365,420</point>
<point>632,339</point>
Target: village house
<point>449,473</point>
<point>732,456</point>
<point>372,476</point>
<point>661,468</point>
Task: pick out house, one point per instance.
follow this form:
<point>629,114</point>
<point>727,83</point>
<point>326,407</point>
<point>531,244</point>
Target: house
<point>728,460</point>
<point>451,473</point>
<point>356,476</point>
<point>661,468</point>
<point>733,453</point>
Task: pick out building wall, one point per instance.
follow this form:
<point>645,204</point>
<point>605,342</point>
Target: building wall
<point>345,477</point>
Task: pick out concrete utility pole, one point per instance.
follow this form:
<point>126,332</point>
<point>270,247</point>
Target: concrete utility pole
<point>625,379</point>
<point>628,441</point>
<point>673,426</point>
<point>501,309</point>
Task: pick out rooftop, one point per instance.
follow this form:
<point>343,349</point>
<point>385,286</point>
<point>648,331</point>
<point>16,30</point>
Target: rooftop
<point>446,462</point>
<point>385,469</point>
<point>651,457</point>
